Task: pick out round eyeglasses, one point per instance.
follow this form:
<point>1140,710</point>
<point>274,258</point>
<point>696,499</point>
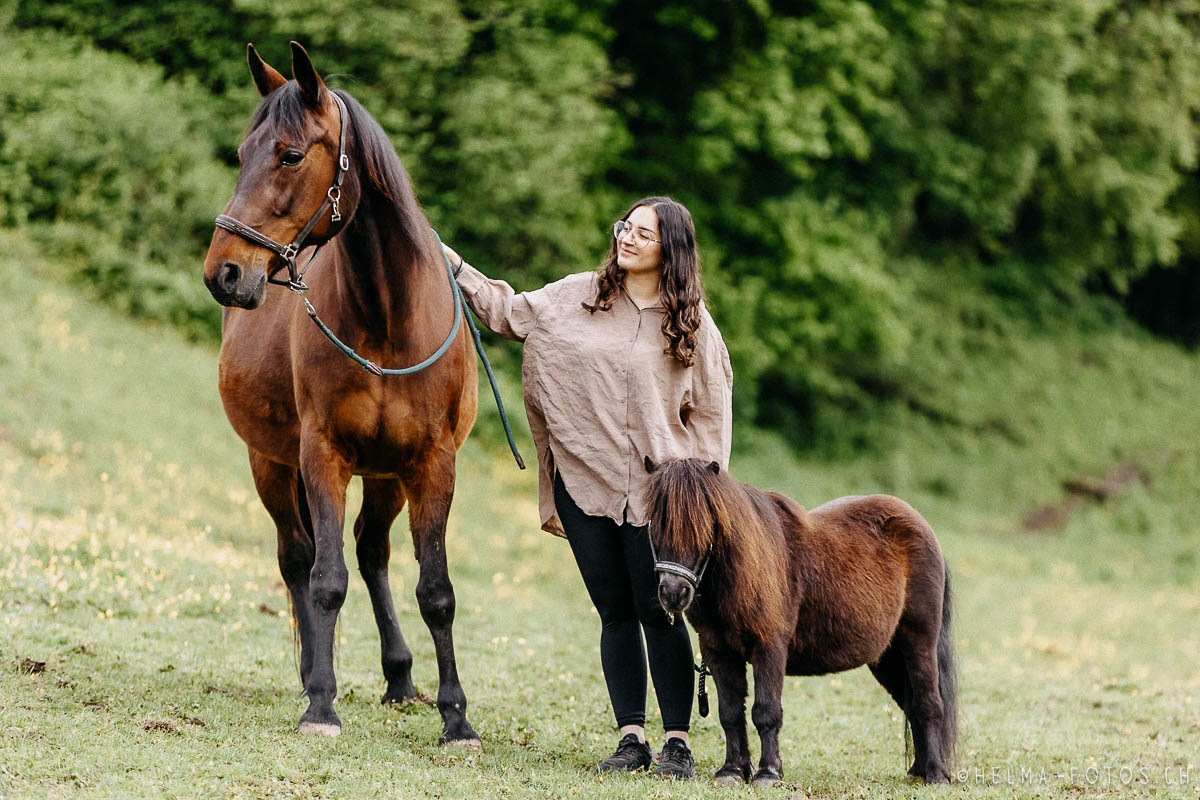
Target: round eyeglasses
<point>638,235</point>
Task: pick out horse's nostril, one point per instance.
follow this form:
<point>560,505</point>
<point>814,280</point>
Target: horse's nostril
<point>228,276</point>
<point>674,598</point>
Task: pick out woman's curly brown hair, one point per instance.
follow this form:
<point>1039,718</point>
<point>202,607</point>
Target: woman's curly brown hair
<point>680,286</point>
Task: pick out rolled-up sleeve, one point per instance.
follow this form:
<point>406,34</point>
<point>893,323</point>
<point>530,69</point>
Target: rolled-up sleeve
<point>711,419</point>
<point>511,314</point>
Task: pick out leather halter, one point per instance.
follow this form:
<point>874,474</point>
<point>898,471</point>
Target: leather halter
<point>332,199</point>
<point>675,568</point>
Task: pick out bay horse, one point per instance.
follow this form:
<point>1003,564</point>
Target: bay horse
<point>858,580</point>
<point>316,169</point>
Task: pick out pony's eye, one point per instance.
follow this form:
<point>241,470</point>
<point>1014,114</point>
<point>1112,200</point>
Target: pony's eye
<point>291,158</point>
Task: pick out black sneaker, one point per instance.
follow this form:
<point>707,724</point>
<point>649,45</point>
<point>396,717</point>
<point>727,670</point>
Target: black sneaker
<point>676,760</point>
<point>630,756</point>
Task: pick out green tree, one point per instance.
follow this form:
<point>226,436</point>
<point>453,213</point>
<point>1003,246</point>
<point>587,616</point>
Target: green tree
<point>114,169</point>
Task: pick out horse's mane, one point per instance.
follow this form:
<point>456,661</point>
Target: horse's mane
<point>694,508</point>
<point>368,144</point>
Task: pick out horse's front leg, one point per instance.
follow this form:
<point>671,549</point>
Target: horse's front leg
<point>729,674</point>
<point>767,712</point>
<point>282,494</point>
<point>326,474</point>
<point>430,493</point>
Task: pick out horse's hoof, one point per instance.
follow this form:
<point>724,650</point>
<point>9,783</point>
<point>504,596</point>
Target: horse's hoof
<point>766,779</point>
<point>467,744</point>
<point>320,729</point>
<point>935,778</point>
<point>728,779</point>
<point>406,700</point>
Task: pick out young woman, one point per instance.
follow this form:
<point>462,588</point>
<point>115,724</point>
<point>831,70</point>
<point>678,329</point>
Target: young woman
<point>620,364</point>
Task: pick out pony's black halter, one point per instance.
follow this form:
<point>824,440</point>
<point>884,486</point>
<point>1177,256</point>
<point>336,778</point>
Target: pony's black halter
<point>675,568</point>
<point>289,251</point>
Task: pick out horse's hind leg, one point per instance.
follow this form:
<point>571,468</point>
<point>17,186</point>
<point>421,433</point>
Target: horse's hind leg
<point>281,493</point>
<point>429,495</point>
<point>892,674</point>
<point>927,715</point>
<point>382,501</point>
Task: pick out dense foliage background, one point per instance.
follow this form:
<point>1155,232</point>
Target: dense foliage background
<point>878,187</point>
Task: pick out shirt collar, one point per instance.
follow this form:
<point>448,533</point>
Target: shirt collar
<point>658,306</point>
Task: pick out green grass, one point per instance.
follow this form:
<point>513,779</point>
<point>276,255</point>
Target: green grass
<point>138,565</point>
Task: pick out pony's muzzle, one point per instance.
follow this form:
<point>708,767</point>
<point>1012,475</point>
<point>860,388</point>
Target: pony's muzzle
<point>231,285</point>
<point>674,594</point>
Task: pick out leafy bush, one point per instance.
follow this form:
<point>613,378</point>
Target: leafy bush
<point>824,146</point>
<point>831,152</point>
<point>115,169</point>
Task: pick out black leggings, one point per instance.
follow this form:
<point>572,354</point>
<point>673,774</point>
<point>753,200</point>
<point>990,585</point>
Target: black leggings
<point>618,571</point>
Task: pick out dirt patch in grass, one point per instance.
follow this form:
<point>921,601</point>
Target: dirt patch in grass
<point>1082,490</point>
<point>31,666</point>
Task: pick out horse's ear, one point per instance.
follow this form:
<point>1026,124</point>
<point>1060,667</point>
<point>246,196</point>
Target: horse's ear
<point>266,77</point>
<point>311,85</point>
<point>715,466</point>
<point>650,465</point>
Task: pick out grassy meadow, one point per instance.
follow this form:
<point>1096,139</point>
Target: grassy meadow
<point>148,652</point>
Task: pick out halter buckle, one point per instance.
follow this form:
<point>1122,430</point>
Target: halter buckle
<point>343,162</point>
<point>335,196</point>
<point>289,253</point>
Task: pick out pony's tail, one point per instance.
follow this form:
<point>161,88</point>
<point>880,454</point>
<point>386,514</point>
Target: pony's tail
<point>947,678</point>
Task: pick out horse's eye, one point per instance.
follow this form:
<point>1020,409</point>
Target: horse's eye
<point>291,158</point>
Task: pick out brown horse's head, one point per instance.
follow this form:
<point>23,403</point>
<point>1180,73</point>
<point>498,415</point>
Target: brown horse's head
<point>289,160</point>
<point>704,520</point>
<point>686,513</point>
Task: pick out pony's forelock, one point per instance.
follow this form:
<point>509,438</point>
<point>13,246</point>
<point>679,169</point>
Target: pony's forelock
<point>693,509</point>
<point>681,512</point>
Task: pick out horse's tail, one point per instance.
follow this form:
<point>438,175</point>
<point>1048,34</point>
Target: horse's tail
<point>947,677</point>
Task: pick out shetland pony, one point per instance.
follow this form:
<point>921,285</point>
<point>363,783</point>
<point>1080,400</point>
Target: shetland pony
<point>859,580</point>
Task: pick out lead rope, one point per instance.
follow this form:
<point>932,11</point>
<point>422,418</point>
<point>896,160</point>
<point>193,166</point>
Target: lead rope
<point>704,671</point>
<point>460,307</point>
<point>487,365</point>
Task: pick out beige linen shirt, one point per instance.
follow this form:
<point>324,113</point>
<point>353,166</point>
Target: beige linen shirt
<point>601,393</point>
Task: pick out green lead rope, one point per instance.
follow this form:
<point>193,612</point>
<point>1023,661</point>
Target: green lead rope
<point>460,304</point>
<point>487,365</point>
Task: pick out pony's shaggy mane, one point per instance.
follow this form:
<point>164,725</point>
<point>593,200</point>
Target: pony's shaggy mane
<point>693,509</point>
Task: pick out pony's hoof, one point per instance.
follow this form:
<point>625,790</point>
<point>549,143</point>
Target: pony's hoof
<point>766,779</point>
<point>936,777</point>
<point>320,729</point>
<point>728,779</point>
<point>467,744</point>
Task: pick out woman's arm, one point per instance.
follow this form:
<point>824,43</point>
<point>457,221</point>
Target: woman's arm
<point>497,304</point>
<point>711,420</point>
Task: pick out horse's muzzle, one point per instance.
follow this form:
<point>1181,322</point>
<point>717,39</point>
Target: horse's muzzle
<point>230,285</point>
<point>674,594</point>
